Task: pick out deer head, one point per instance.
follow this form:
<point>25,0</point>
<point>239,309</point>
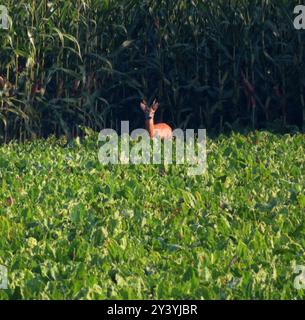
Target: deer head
<point>149,111</point>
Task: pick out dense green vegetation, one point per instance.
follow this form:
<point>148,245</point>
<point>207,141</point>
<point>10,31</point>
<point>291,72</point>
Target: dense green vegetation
<point>88,62</point>
<point>72,228</point>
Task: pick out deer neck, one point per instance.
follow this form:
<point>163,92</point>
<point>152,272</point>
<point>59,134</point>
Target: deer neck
<point>149,126</point>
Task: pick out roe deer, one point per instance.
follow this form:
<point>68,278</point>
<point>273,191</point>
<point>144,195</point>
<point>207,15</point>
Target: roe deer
<point>163,130</point>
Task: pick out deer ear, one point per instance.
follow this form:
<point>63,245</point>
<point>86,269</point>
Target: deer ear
<point>143,106</point>
<point>155,105</point>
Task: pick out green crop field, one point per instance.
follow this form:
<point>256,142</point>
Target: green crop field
<point>74,229</point>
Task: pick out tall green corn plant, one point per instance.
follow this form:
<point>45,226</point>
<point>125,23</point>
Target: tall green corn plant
<point>88,63</point>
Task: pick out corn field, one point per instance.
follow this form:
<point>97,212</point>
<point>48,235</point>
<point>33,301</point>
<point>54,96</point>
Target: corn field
<point>217,64</point>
